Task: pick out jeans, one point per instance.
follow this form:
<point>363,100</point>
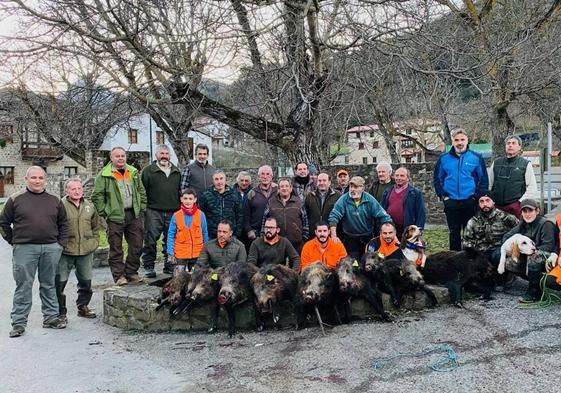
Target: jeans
<point>156,223</point>
<point>83,264</point>
<point>458,213</point>
<point>28,259</point>
<point>132,230</point>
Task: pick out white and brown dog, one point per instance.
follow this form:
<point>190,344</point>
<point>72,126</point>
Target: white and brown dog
<point>513,247</point>
<point>413,246</point>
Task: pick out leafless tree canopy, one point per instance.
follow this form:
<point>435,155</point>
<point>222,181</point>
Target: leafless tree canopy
<point>302,71</point>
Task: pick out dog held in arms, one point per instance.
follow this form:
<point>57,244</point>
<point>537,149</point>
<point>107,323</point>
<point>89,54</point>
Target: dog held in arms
<point>515,246</point>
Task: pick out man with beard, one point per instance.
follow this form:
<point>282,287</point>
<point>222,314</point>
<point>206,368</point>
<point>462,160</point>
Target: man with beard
<point>198,174</point>
<point>320,202</point>
<point>272,249</point>
<point>224,249</point>
<point>359,213</point>
<point>486,229</point>
<point>386,244</point>
<point>301,183</point>
<point>322,249</point>
<point>459,178</point>
<point>161,181</point>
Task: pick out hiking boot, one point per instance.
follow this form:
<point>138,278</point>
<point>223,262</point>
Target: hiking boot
<point>135,279</point>
<point>168,270</point>
<point>17,331</point>
<point>149,273</point>
<point>122,281</point>
<point>509,281</point>
<point>56,323</point>
<point>63,317</point>
<point>85,312</point>
<point>527,298</point>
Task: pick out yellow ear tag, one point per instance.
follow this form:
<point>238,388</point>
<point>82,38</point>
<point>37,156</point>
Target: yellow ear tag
<point>381,255</point>
<point>214,276</point>
<point>270,277</point>
<point>355,263</point>
<point>401,273</point>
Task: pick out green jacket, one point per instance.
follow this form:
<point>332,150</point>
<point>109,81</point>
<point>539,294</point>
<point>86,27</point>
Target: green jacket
<point>108,195</point>
<point>83,227</point>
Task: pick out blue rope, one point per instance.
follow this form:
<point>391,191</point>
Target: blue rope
<point>446,364</point>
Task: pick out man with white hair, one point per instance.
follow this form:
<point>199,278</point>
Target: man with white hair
<point>459,179</point>
<point>384,181</point>
<point>257,201</point>
<point>34,223</point>
<point>511,178</point>
<point>161,181</point>
<point>243,185</point>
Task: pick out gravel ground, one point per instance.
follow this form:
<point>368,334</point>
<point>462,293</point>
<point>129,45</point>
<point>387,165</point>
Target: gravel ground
<point>499,348</point>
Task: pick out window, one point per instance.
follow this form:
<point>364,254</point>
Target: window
<point>408,143</point>
<point>133,135</point>
<point>409,131</point>
<point>365,160</point>
<point>371,134</point>
<point>7,174</point>
<point>375,144</point>
<point>408,160</point>
<point>374,160</point>
<point>7,132</point>
<point>357,134</point>
<point>70,171</point>
<point>160,137</point>
<point>360,145</point>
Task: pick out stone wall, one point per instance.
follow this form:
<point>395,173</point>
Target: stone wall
<point>421,175</point>
<point>134,308</point>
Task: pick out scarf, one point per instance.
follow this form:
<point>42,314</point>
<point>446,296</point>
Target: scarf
<point>302,180</point>
<point>189,211</point>
<point>388,249</point>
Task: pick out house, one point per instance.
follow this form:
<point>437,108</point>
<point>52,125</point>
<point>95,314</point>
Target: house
<point>366,144</point>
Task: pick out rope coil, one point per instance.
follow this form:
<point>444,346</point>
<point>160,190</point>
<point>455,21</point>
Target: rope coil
<point>445,364</point>
<point>547,299</point>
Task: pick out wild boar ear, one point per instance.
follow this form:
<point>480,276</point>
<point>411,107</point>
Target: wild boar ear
<point>515,253</point>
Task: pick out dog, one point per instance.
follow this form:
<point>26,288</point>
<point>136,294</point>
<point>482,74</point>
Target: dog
<point>513,247</point>
<point>413,246</point>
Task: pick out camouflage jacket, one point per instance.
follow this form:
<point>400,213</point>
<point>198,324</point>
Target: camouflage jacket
<point>485,233</point>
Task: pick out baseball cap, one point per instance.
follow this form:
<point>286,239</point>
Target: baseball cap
<point>529,203</point>
<point>357,181</point>
<point>342,171</point>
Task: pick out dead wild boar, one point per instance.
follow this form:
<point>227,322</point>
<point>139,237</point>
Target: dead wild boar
<point>235,289</point>
<point>399,276</point>
<point>272,284</point>
<point>203,290</point>
<point>174,292</point>
<point>353,283</point>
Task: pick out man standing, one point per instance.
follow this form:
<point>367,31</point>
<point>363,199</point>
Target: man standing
<point>301,182</point>
<point>83,224</point>
<point>484,231</point>
<point>198,174</point>
<point>161,181</point>
<point>512,178</point>
<point>342,181</point>
<point>319,203</point>
<point>257,201</point>
<point>288,209</point>
<point>378,187</point>
<point>34,223</point>
<point>404,203</point>
<point>386,244</point>
<point>359,214</point>
<point>120,198</point>
<point>243,185</point>
<point>273,249</point>
<point>221,203</point>
<point>224,249</point>
<point>322,249</point>
<point>459,178</point>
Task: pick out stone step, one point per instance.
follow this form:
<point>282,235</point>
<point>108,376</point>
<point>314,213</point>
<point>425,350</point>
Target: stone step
<point>133,307</point>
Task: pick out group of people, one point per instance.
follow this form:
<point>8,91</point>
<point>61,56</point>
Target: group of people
<point>296,221</point>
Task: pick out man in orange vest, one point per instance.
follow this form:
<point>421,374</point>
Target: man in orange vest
<point>322,249</point>
<point>187,233</point>
<point>386,244</point>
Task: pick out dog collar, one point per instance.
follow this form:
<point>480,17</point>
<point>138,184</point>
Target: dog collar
<point>415,246</point>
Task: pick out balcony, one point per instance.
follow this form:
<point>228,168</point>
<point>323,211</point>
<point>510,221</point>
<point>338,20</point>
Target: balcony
<point>40,150</point>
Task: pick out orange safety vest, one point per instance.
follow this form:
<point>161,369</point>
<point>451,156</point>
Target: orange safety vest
<point>188,241</point>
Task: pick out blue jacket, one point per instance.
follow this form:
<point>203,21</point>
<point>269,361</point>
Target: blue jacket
<point>460,177</point>
<point>413,206</point>
<point>358,220</point>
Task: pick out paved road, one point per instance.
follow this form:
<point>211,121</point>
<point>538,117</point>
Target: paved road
<point>500,348</point>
